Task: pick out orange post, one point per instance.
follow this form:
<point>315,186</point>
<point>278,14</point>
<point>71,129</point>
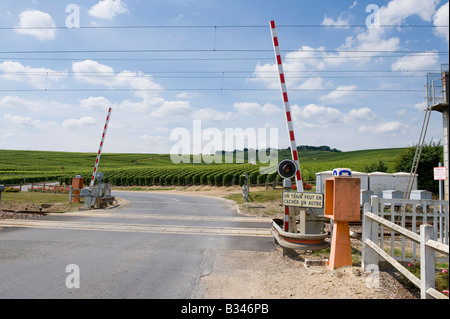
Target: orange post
<point>77,186</point>
<point>342,204</point>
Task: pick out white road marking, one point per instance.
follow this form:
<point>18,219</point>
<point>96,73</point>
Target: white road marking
<point>144,228</point>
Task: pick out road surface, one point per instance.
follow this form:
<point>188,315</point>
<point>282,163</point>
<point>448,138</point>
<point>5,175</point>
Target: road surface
<point>157,246</point>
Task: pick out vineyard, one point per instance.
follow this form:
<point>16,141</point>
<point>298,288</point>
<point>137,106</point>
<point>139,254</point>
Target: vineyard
<point>20,167</point>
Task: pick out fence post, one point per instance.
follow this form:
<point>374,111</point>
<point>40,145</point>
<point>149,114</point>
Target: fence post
<point>427,266</point>
<point>369,256</point>
<point>70,194</point>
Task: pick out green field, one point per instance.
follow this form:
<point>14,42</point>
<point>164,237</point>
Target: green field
<point>18,167</point>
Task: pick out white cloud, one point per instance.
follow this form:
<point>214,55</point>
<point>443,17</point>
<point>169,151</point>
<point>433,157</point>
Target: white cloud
<point>152,138</point>
<point>294,64</point>
<point>340,22</point>
<point>313,83</point>
<point>423,61</point>
<point>314,115</point>
<point>421,106</point>
<point>362,114</point>
<point>105,75</point>
<point>375,40</point>
<point>339,94</point>
<point>141,106</point>
<point>441,18</point>
<point>188,95</point>
<point>397,11</point>
<point>99,103</point>
<point>355,3</point>
<point>255,109</point>
<point>79,123</point>
<point>38,77</point>
<point>32,20</point>
<point>27,121</point>
<point>209,114</point>
<point>108,9</point>
<point>16,102</point>
<point>319,116</point>
<point>388,128</point>
<point>171,109</point>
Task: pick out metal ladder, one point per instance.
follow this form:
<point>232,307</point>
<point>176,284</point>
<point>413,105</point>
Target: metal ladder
<point>419,147</point>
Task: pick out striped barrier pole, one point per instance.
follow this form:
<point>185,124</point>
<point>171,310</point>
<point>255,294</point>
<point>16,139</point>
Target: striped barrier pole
<point>298,177</point>
<point>289,219</point>
<point>91,186</point>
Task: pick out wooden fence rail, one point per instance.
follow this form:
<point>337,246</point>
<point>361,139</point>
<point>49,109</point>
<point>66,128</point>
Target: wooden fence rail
<point>373,233</point>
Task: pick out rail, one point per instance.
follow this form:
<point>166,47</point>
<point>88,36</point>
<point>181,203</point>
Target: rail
<point>371,250</point>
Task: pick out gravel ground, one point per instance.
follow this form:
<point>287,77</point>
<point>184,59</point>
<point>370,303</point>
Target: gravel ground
<point>269,275</point>
<point>12,215</point>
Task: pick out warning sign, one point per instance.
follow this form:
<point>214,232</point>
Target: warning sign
<point>440,173</point>
<point>306,200</point>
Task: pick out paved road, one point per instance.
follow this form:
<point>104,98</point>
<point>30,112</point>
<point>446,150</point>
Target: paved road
<point>157,246</point>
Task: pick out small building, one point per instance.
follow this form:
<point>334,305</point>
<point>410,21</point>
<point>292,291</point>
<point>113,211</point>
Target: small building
<point>400,180</point>
<point>379,181</point>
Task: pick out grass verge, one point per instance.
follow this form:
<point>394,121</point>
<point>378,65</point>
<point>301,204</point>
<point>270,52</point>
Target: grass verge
<point>31,201</point>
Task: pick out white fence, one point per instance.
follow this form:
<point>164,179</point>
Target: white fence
<point>410,214</point>
<point>403,214</point>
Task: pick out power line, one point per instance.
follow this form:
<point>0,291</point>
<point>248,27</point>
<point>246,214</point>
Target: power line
<point>301,26</point>
<point>219,50</point>
<point>206,89</point>
<point>210,75</point>
<point>219,59</point>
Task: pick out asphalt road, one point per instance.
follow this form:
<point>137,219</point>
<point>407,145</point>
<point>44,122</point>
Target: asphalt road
<point>155,247</point>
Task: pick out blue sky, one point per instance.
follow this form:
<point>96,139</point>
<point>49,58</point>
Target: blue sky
<point>162,65</point>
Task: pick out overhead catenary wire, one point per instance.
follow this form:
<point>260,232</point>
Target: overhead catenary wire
<point>216,51</point>
<point>194,75</point>
<point>217,59</point>
<point>301,26</point>
<point>238,55</point>
<point>208,89</point>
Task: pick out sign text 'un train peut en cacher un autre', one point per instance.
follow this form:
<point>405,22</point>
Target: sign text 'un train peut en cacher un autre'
<point>305,200</point>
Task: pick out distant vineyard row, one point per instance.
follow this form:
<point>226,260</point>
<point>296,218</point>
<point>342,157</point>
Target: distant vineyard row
<point>219,175</point>
<point>178,175</point>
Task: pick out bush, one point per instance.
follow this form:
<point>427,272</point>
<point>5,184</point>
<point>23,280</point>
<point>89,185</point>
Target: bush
<point>431,155</point>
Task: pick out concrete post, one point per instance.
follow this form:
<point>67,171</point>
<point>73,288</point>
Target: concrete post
<point>370,232</point>
<point>427,266</point>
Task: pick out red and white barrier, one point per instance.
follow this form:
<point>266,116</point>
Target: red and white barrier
<point>100,149</point>
<point>298,177</point>
<point>287,109</point>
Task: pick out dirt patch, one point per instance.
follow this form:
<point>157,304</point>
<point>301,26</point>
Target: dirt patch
<point>269,275</point>
<point>13,210</point>
<point>49,208</point>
